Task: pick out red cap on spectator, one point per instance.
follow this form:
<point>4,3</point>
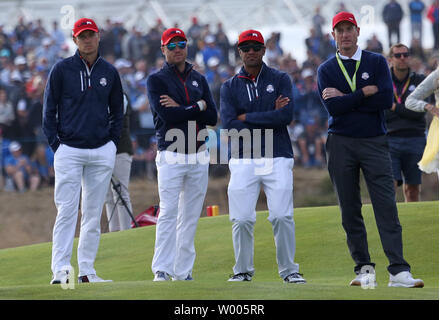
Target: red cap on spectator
<point>343,16</point>
<point>171,33</point>
<point>84,24</point>
<point>250,35</point>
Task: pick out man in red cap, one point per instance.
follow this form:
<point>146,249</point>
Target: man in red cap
<point>257,102</point>
<point>182,106</point>
<point>355,88</point>
<point>82,120</point>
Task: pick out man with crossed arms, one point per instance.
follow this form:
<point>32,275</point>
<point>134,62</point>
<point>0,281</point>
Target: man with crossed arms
<point>258,99</point>
<point>181,102</point>
<point>355,87</point>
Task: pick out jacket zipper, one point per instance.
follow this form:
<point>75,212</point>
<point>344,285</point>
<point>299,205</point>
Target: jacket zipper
<point>183,81</point>
<point>188,101</point>
<point>255,87</point>
<point>88,74</point>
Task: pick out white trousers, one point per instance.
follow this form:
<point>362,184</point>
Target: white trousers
<point>117,215</point>
<point>182,188</point>
<point>75,168</point>
<point>276,178</point>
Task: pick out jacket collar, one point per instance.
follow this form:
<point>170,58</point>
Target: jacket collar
<point>171,67</point>
<point>409,75</point>
<point>356,56</point>
<point>244,74</point>
<point>82,60</point>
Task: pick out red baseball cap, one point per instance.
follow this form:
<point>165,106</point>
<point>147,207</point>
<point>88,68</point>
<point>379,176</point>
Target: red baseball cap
<point>343,16</point>
<point>84,24</point>
<point>250,35</point>
<point>171,33</point>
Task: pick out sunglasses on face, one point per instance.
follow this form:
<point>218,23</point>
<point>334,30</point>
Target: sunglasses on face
<point>398,55</point>
<point>255,47</point>
<point>86,35</point>
<point>171,46</point>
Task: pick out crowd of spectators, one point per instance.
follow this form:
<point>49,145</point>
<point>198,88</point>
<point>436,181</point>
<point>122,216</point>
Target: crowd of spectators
<point>28,52</point>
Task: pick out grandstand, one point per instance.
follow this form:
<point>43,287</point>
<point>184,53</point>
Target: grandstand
<point>290,17</point>
<point>29,47</point>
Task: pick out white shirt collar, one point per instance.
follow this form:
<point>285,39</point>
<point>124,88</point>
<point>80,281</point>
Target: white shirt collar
<point>356,56</point>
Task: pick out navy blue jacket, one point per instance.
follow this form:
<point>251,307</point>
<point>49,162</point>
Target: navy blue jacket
<point>257,99</point>
<point>185,89</point>
<point>392,13</point>
<point>83,107</point>
<point>353,114</point>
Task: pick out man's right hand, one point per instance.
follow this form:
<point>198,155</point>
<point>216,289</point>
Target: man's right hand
<point>369,90</point>
<point>167,101</point>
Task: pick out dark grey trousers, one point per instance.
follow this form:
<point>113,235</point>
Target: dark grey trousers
<point>346,156</point>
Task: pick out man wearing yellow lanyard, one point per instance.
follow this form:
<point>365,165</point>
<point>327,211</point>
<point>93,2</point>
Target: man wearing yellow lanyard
<point>405,128</point>
<point>355,87</point>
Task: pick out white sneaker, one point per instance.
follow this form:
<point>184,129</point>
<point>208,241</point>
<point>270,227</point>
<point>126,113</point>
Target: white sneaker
<point>161,276</point>
<point>60,277</point>
<point>295,278</point>
<point>188,278</point>
<point>405,279</point>
<point>241,277</point>
<point>91,278</point>
<point>365,280</point>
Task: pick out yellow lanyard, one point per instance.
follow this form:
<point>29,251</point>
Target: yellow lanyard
<point>352,82</point>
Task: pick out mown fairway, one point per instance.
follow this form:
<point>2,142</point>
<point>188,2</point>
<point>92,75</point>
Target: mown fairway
<point>322,254</point>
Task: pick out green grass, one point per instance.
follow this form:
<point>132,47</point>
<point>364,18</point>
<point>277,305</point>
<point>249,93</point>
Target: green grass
<point>321,252</point>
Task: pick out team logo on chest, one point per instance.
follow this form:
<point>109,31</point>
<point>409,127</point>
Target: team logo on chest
<point>270,88</point>
<point>103,82</point>
<point>195,83</point>
<point>365,76</point>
